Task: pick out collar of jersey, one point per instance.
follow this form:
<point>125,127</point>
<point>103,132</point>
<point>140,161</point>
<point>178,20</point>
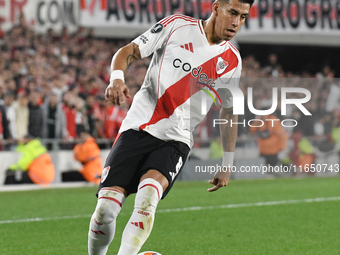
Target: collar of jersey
<point>204,38</point>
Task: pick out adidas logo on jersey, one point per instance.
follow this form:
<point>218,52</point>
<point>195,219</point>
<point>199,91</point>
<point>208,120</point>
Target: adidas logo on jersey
<point>138,224</point>
<point>188,46</point>
<point>221,65</point>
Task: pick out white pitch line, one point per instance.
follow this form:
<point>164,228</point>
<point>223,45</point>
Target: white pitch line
<point>185,209</point>
<point>45,219</point>
<point>282,202</point>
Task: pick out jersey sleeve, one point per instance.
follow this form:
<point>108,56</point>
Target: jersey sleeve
<point>225,93</point>
<point>155,38</point>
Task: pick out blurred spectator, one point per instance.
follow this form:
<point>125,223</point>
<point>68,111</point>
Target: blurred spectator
<point>21,116</point>
<point>335,135</point>
<point>272,137</point>
<point>91,121</point>
<point>11,86</point>
<point>60,87</point>
<point>64,34</point>
<point>333,98</point>
<point>54,125</point>
<point>2,90</point>
<point>99,115</point>
<point>307,122</point>
<point>4,126</point>
<point>70,114</point>
<point>114,116</point>
<point>2,32</point>
<point>216,149</point>
<point>88,154</point>
<point>35,115</point>
<point>10,112</point>
<point>81,121</point>
<point>302,155</point>
<point>326,72</point>
<point>35,164</point>
<point>273,66</point>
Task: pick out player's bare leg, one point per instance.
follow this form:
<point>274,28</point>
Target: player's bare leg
<point>103,221</point>
<point>138,228</point>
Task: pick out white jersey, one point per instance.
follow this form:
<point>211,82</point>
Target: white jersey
<point>167,106</point>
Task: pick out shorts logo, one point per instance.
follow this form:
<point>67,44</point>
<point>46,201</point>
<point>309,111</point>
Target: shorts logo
<point>157,28</point>
<point>221,65</point>
<point>178,167</point>
<point>105,173</point>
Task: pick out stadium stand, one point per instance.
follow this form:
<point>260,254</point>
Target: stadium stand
<point>72,69</point>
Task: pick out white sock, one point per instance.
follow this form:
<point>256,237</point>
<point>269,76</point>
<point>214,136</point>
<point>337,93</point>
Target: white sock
<point>103,221</point>
<point>140,224</point>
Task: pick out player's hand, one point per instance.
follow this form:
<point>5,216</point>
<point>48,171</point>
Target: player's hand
<point>116,92</point>
<point>221,179</point>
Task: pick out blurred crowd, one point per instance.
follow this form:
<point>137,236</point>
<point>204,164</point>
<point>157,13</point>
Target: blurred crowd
<point>324,88</point>
<point>52,86</point>
<point>323,106</point>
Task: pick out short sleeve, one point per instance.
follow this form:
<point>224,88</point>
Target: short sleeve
<point>225,87</point>
<point>154,38</point>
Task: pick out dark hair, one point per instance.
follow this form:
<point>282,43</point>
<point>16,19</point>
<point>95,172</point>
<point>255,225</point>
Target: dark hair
<point>247,2</point>
<point>29,136</point>
<point>241,1</point>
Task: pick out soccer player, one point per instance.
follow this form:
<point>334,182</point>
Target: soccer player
<point>156,135</point>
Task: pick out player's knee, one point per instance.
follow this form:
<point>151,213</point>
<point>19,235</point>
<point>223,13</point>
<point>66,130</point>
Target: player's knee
<point>148,195</point>
<point>103,214</point>
<point>157,176</point>
<point>109,205</point>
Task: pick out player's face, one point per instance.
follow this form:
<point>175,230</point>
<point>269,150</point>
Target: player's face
<point>229,18</point>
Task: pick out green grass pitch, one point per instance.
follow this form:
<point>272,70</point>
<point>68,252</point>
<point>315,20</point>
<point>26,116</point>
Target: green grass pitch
<point>244,227</point>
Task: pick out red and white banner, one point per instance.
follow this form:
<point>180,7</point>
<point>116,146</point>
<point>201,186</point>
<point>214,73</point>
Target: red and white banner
<point>270,17</point>
<point>40,14</point>
<point>294,17</point>
<point>10,11</point>
<point>266,16</point>
<point>138,13</point>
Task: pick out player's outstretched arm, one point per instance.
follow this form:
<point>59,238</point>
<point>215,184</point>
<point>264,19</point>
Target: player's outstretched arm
<point>117,90</point>
<point>228,135</point>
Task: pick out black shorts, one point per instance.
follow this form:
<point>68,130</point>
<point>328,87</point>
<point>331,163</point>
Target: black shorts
<point>136,152</point>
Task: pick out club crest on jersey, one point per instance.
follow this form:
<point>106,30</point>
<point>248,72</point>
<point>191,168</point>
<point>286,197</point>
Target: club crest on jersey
<point>157,28</point>
<point>221,65</point>
<point>105,173</point>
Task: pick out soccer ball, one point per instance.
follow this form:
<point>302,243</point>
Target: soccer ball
<point>149,253</point>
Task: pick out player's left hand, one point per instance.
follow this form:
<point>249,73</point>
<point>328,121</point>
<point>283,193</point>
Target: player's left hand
<point>221,179</point>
